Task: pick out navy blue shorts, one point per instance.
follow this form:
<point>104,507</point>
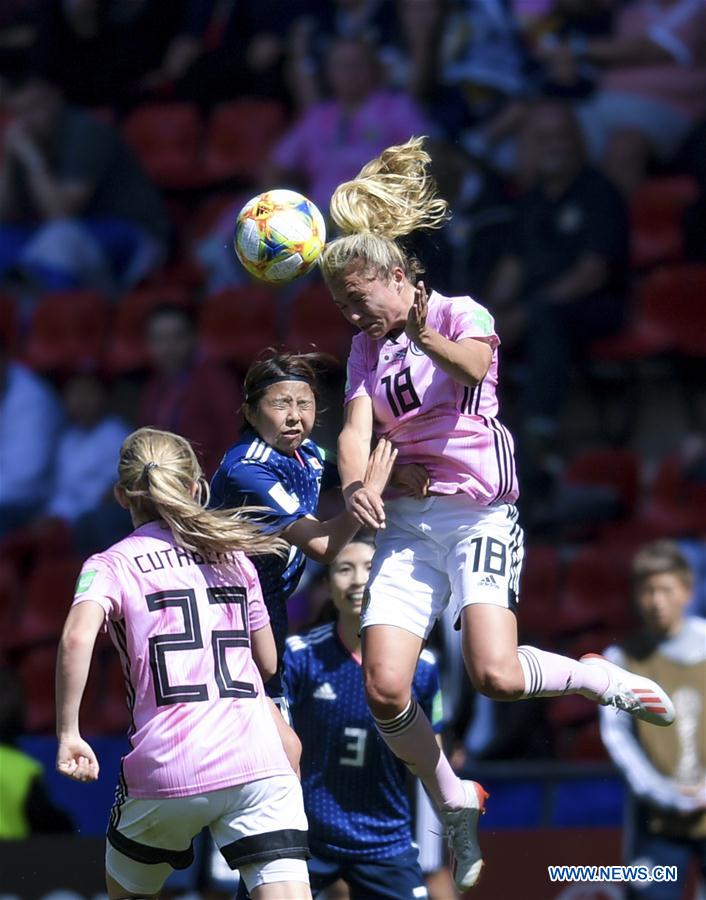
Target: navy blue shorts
<point>395,878</point>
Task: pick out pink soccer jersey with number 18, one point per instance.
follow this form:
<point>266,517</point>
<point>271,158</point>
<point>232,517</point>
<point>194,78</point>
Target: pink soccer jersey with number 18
<point>431,419</point>
<point>181,625</point>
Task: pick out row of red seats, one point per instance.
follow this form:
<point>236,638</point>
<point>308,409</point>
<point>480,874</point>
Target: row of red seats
<point>666,316</point>
<point>81,329</point>
<point>180,151</point>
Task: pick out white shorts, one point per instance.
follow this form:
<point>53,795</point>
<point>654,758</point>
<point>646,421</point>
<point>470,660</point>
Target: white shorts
<point>260,828</point>
<point>442,549</point>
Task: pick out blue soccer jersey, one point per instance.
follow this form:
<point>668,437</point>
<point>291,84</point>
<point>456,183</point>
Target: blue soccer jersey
<point>355,791</point>
<point>252,473</point>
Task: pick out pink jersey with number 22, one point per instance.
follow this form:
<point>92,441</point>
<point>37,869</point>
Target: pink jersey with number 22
<point>431,419</point>
<point>182,627</point>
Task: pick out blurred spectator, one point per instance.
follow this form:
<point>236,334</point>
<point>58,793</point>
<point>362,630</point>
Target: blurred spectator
<point>87,450</point>
<point>224,50</point>
<point>653,88</point>
<point>693,160</point>
<point>97,51</point>
<point>561,283</point>
<point>333,139</point>
<point>25,805</point>
<point>75,207</point>
<point>30,419</point>
<point>198,400</point>
<point>312,37</point>
<point>666,769</point>
<point>462,255</point>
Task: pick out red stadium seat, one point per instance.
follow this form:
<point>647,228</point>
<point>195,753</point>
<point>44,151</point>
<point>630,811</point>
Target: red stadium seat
<point>68,331</point>
<point>128,351</point>
<point>677,505</point>
<point>237,324</point>
<point>167,139</point>
<point>239,137</point>
<point>615,468</point>
<point>50,590</point>
<point>316,321</point>
<point>668,316</point>
<point>596,593</point>
<point>539,593</point>
<point>211,210</point>
<point>656,211</point>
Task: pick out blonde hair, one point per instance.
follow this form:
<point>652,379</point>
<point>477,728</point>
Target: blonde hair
<point>392,196</point>
<point>158,471</point>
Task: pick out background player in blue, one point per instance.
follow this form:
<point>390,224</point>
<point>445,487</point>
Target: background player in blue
<point>275,465</point>
<point>355,789</point>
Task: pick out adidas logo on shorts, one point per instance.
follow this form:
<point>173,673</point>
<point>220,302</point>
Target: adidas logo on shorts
<point>488,581</point>
<point>325,692</point>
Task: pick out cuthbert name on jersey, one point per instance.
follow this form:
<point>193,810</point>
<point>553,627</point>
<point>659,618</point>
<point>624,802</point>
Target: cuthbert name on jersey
<point>177,558</point>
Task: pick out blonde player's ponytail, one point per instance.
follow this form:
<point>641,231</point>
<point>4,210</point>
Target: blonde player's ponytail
<point>392,196</point>
<point>162,479</point>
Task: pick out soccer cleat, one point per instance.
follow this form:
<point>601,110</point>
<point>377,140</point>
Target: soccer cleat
<point>461,827</point>
<point>634,694</point>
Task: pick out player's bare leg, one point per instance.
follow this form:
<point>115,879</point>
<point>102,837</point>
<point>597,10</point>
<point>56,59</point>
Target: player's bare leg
<point>390,657</point>
<point>501,670</point>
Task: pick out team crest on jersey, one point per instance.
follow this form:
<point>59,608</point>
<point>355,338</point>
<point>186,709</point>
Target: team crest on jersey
<point>85,580</point>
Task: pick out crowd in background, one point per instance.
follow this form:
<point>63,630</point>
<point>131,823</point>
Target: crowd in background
<point>569,137</point>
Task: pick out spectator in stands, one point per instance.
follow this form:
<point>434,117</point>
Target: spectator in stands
<point>561,283</point>
<point>226,50</point>
<point>653,88</point>
<point>30,419</point>
<point>87,450</point>
<point>197,400</point>
<point>97,51</point>
<point>666,775</point>
<point>75,207</point>
<point>333,139</point>
<point>25,805</point>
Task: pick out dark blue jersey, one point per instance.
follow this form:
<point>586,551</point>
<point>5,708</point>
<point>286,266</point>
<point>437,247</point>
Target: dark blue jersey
<point>355,791</point>
<point>252,473</point>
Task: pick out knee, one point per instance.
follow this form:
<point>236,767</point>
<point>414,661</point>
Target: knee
<point>387,690</point>
<point>498,680</point>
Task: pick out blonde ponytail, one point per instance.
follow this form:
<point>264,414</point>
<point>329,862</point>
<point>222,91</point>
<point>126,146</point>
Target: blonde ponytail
<point>392,196</point>
<point>158,472</point>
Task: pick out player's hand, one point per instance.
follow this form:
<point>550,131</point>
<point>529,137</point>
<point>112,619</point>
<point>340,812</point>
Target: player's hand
<point>76,759</point>
<point>417,315</point>
<point>367,506</point>
<point>380,466</point>
<point>412,478</point>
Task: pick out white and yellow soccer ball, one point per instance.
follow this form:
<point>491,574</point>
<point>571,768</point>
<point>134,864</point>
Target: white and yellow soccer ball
<point>279,235</point>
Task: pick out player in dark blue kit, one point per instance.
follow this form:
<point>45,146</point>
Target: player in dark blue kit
<point>355,789</point>
<point>275,465</point>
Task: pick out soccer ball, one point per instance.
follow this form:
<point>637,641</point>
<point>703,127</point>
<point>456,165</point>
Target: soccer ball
<point>279,236</point>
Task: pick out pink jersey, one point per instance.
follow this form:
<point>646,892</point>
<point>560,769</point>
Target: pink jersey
<point>181,625</point>
<point>431,419</point>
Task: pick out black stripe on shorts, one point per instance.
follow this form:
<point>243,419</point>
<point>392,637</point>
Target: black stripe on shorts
<point>143,853</point>
<point>289,843</point>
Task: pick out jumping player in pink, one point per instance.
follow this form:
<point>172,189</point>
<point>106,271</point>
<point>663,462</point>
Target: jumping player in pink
<point>423,373</point>
<point>184,608</point>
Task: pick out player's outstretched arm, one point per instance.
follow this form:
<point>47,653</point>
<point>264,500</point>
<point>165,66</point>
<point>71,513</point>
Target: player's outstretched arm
<point>353,455</point>
<point>75,758</point>
<point>466,361</point>
<point>323,541</point>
